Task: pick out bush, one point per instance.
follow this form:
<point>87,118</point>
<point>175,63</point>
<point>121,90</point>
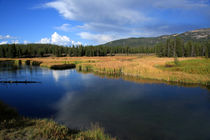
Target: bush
<point>176,61</point>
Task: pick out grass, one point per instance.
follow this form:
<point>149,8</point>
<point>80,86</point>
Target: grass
<point>195,66</point>
<point>191,70</point>
<point>13,126</point>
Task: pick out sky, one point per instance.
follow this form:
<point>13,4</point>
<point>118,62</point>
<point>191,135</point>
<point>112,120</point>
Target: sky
<point>92,22</point>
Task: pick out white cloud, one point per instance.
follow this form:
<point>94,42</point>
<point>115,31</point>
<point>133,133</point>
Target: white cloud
<point>45,40</point>
<point>98,11</point>
<point>63,8</point>
<point>6,37</point>
<point>15,41</point>
<point>99,38</point>
<point>63,27</point>
<point>59,40</point>
<point>25,42</point>
<point>76,43</point>
<point>120,12</point>
<point>3,42</point>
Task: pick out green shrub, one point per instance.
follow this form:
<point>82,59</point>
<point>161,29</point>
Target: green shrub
<point>176,61</point>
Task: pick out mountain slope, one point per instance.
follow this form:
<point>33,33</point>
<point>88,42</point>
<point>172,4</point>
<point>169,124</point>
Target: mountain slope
<point>195,35</point>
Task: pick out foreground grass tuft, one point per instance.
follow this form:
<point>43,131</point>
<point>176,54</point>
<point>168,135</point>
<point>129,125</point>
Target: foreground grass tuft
<point>15,127</point>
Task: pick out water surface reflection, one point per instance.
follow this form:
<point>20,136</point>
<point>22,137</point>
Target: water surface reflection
<point>137,111</point>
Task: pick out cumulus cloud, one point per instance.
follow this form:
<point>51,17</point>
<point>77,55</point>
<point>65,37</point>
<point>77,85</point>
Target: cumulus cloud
<point>59,40</point>
<point>45,40</point>
<point>128,17</point>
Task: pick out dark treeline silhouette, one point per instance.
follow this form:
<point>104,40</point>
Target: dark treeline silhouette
<point>176,47</point>
<point>44,50</point>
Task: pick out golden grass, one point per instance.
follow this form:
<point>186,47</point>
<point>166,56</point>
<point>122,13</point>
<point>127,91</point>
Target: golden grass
<point>147,67</point>
<point>44,129</point>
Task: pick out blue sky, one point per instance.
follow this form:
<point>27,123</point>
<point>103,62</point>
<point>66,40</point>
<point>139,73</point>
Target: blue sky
<point>67,22</point>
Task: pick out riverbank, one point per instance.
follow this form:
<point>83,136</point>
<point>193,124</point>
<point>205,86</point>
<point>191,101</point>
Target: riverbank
<point>13,126</point>
<point>190,70</point>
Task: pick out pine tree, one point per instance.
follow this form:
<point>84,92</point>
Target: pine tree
<point>2,52</point>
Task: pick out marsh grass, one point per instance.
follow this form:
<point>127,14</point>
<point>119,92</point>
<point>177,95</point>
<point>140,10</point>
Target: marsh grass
<point>95,132</point>
<point>15,127</point>
<point>195,66</point>
<point>176,61</point>
<point>184,70</point>
<point>191,70</point>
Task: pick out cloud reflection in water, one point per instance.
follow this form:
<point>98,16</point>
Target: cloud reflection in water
<point>132,111</point>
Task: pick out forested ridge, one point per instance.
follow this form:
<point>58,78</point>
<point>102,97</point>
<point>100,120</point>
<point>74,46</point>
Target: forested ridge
<point>198,35</point>
<point>173,47</point>
<point>43,50</point>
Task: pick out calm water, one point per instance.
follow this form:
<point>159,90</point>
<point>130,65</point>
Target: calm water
<point>125,109</point>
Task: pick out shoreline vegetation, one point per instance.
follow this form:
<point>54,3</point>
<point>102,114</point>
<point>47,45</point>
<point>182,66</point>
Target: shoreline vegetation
<point>14,126</point>
<point>182,70</point>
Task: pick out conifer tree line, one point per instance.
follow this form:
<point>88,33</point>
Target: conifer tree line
<point>176,47</point>
<point>44,50</point>
<point>173,47</point>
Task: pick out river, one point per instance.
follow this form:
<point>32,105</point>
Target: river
<point>126,109</point>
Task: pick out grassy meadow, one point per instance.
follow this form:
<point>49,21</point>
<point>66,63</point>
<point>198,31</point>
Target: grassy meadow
<point>190,70</point>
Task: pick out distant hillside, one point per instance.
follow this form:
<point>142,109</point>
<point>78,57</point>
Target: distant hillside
<point>195,35</point>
